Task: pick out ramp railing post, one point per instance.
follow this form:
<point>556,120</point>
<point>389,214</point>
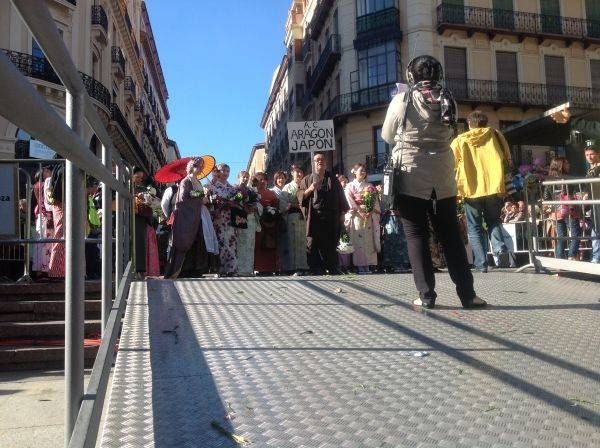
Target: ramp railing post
<point>119,231</point>
<point>74,214</point>
<point>107,242</point>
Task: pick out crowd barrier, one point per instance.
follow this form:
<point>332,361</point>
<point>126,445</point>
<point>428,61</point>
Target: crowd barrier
<point>562,223</point>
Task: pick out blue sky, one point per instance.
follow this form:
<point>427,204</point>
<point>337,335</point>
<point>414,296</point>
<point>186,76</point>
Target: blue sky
<point>218,58</point>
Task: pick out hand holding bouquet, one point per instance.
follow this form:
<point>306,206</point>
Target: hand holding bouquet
<point>369,199</point>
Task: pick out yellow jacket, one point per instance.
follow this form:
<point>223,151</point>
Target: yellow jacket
<point>482,156</point>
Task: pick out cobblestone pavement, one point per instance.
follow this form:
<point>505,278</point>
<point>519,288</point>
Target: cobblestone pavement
<point>329,362</point>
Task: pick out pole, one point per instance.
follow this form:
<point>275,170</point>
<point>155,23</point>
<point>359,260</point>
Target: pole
<point>107,242</point>
<point>119,232</point>
<point>26,278</point>
<point>74,212</point>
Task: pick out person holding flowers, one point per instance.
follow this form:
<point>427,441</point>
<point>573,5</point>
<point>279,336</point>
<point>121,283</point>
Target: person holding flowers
<point>192,232</point>
<point>266,260</point>
<point>295,244</point>
<point>247,197</point>
<point>222,193</point>
<point>362,220</point>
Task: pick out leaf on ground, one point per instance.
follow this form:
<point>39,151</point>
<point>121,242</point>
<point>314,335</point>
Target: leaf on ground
<point>339,290</point>
<point>384,305</point>
<point>461,371</point>
<point>307,332</point>
<point>248,358</point>
<point>240,440</point>
<point>239,292</point>
<point>492,408</point>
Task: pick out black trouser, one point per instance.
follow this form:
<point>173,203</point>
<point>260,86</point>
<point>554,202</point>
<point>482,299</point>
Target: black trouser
<point>93,263</point>
<point>443,218</point>
<point>322,244</point>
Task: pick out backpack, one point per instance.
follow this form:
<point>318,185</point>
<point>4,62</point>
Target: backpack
<point>54,193</point>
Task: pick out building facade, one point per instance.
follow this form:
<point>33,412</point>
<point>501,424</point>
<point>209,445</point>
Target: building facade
<point>258,160</point>
<point>512,59</point>
<point>112,45</point>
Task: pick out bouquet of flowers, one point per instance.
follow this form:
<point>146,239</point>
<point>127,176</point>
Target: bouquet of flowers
<point>198,193</point>
<point>369,199</point>
<point>245,197</point>
<point>345,246</point>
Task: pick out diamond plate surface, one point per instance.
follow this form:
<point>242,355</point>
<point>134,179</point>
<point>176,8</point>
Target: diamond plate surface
<point>326,362</point>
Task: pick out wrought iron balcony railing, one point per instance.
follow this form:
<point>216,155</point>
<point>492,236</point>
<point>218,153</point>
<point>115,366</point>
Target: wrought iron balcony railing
<point>498,93</point>
<point>319,17</point>
<point>119,119</point>
<point>99,17</point>
<point>306,48</point>
<point>523,24</point>
<point>329,57</point>
<point>32,66</point>
<point>118,58</point>
<point>96,90</point>
<point>363,99</point>
<point>129,87</point>
<point>375,163</point>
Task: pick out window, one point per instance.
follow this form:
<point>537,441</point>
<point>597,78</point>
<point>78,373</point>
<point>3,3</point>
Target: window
<point>550,16</point>
<point>378,65</point>
<point>508,76</point>
<point>595,75</point>
<point>364,7</point>
<point>555,79</point>
<point>455,61</point>
<point>454,11</point>
<point>592,14</point>
<point>38,60</point>
<point>503,14</point>
<point>381,149</point>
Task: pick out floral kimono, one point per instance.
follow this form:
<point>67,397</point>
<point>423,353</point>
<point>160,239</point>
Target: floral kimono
<point>226,234</point>
<point>295,245</point>
<point>365,234</point>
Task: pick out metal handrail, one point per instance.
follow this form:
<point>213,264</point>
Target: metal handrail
<point>23,105</point>
<point>99,17</point>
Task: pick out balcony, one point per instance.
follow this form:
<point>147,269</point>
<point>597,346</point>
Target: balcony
<point>522,24</point>
<point>125,135</point>
<point>361,100</point>
<point>33,67</point>
<point>328,59</point>
<point>118,63</point>
<point>375,163</point>
<point>139,111</point>
<point>99,24</point>
<point>306,48</point>
<point>129,88</point>
<point>96,90</point>
<point>319,18</point>
<point>498,94</point>
<point>377,27</point>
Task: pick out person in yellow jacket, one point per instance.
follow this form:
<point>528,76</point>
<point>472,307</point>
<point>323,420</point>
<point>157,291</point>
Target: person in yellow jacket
<point>482,158</point>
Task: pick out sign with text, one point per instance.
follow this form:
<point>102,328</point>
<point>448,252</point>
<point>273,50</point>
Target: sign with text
<point>311,136</point>
<point>8,200</point>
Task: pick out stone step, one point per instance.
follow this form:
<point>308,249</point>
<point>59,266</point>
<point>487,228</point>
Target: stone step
<point>44,291</point>
<point>39,357</point>
<point>49,329</point>
<point>27,311</point>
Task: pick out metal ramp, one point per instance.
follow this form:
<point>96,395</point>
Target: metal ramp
<point>329,362</point>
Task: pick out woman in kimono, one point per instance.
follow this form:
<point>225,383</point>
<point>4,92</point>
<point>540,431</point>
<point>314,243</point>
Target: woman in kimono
<point>43,223</point>
<point>246,237</point>
<point>279,180</point>
<point>363,225</point>
<point>192,228</point>
<point>295,245</point>
<point>265,251</point>
<point>222,193</point>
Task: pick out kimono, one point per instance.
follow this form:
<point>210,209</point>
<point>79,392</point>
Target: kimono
<point>187,235</point>
<point>323,211</point>
<point>142,219</point>
<point>43,228</point>
<point>246,242</point>
<point>226,233</point>
<point>365,234</point>
<point>295,244</point>
<point>282,247</point>
<point>266,256</point>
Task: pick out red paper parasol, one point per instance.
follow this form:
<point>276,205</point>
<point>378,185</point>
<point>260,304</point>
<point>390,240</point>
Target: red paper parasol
<point>175,171</point>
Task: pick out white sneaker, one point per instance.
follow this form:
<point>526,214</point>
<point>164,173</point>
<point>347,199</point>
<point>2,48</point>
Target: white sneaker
<point>418,302</point>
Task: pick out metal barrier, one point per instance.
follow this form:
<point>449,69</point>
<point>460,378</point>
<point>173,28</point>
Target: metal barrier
<point>21,104</point>
<point>563,212</point>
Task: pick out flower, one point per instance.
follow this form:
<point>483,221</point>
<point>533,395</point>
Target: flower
<point>271,210</point>
<point>345,244</point>
<point>369,197</point>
